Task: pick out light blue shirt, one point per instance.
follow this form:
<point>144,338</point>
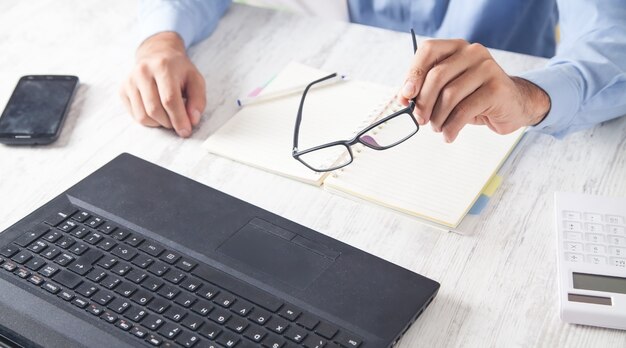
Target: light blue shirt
<point>585,78</point>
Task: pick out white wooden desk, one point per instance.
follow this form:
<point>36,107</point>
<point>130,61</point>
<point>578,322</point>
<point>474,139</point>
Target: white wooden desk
<point>498,283</point>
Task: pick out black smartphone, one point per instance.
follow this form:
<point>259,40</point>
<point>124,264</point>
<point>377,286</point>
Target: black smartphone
<point>37,108</point>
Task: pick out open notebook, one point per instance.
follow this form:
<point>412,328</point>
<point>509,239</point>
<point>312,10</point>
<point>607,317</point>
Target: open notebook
<point>424,176</point>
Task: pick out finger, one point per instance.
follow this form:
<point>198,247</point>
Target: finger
<point>195,92</point>
<point>453,93</point>
<point>439,77</point>
<point>429,53</point>
<point>467,110</point>
<point>152,102</point>
<point>172,101</point>
<point>139,113</point>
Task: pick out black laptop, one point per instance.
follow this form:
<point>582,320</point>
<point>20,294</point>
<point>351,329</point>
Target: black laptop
<point>135,255</point>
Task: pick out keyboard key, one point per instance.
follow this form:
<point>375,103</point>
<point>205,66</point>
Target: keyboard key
<point>80,302</point>
<point>95,222</point>
<point>594,238</point>
<point>187,339</point>
<point>96,275</point>
<point>169,330</point>
<point>57,218</point>
<point>210,330</point>
<point>95,309</point>
<point>259,316</point>
<point>208,291</point>
<point>154,340</point>
<point>159,305</point>
<point>49,270</point>
<point>22,273</point>
<point>227,339</point>
<point>175,313</point>
<point>616,240</point>
<point>66,242</point>
<point>37,246</point>
<point>273,341</point>
<point>296,334</point>
<point>52,236</point>
<point>9,266</point>
<point>202,307</point>
<point>121,269</point>
<point>107,228</point>
<point>81,216</point>
<point>237,324</point>
<point>191,284</point>
<point>152,322</point>
<point>192,322</point>
<point>124,252</point>
<point>67,226</point>
<point>289,313</point>
<point>572,226</point>
<point>573,257</point>
<point>170,257</point>
<point>22,257</point>
<point>66,295</point>
<point>617,230</point>
<point>255,333</point>
<point>87,289</point>
<point>241,307</point>
<point>103,297</point>
<point>139,331</point>
<point>596,259</point>
<point>152,283</point>
<point>174,276</point>
<point>224,299</point>
<point>93,238</point>
<point>308,321</point>
<point>348,340</point>
<point>186,265</point>
<point>30,236</point>
<point>35,279</point>
<point>120,234</point>
<point>617,251</point>
<point>67,279</point>
<point>219,315</point>
<point>35,263</point>
<point>110,282</point>
<point>615,219</point>
<point>9,250</point>
<point>109,317</point>
<point>571,215</point>
<point>107,244</point>
<point>134,240</point>
<point>126,289</point>
<point>573,236</point>
<point>158,268</point>
<point>64,259</point>
<point>618,262</point>
<point>573,247</point>
<point>80,232</point>
<point>596,249</point>
<point>326,330</point>
<point>314,341</point>
<point>185,299</point>
<point>152,248</point>
<point>141,297</point>
<point>119,305</point>
<point>169,292</point>
<point>277,325</point>
<point>142,261</point>
<point>593,217</point>
<point>107,262</point>
<point>124,324</point>
<point>136,276</point>
<point>51,287</point>
<point>78,248</point>
<point>51,253</point>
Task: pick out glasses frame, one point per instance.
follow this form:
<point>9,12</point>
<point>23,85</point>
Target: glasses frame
<point>346,143</point>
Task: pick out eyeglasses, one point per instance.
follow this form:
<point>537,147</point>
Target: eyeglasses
<point>399,126</point>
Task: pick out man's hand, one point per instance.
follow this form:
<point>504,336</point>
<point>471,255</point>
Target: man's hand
<point>455,83</point>
<point>165,88</point>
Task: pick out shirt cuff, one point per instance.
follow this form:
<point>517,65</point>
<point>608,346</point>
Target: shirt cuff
<point>564,95</point>
<point>166,19</point>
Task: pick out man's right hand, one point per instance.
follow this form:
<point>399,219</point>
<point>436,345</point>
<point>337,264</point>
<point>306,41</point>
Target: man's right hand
<point>165,88</point>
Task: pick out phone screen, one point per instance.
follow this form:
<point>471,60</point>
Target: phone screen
<point>37,106</point>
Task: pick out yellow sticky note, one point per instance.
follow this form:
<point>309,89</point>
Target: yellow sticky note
<point>492,186</point>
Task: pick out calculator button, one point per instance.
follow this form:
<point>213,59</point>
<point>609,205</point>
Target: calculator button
<point>573,257</point>
<point>618,262</point>
<point>617,251</point>
<point>617,240</point>
<point>573,236</point>
<point>619,230</point>
<point>573,247</point>
<point>593,227</point>
<point>596,249</point>
<point>593,217</point>
<point>596,259</point>
<point>615,219</point>
<point>571,215</point>
<point>572,226</point>
<point>595,237</point>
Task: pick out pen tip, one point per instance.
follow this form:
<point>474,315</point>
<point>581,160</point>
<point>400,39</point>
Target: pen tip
<point>238,102</point>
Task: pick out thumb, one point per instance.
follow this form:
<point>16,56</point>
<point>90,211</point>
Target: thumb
<point>196,97</point>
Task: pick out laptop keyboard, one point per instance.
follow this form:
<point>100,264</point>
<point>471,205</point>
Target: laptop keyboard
<point>155,294</point>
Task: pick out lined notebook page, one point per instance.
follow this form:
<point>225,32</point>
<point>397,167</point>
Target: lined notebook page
<point>261,135</point>
<point>425,176</point>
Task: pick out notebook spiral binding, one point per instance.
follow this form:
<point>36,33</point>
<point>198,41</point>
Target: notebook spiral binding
<point>381,110</point>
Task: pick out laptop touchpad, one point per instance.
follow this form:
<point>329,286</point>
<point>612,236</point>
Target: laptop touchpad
<point>275,256</point>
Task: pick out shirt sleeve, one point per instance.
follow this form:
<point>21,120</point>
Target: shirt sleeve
<point>586,79</point>
<point>193,20</point>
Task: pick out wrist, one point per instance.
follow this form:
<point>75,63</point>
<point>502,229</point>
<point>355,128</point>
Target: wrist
<point>536,102</point>
<point>167,41</point>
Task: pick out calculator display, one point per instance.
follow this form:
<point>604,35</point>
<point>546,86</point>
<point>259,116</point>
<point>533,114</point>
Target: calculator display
<point>599,283</point>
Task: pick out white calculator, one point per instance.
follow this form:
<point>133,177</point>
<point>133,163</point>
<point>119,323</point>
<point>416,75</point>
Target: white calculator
<point>591,254</point>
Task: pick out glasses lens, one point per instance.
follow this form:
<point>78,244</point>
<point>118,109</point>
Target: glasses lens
<point>390,133</point>
<point>327,158</point>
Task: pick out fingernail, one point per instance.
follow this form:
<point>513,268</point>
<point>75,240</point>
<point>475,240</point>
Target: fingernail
<point>195,117</point>
<point>408,90</point>
<point>185,133</point>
